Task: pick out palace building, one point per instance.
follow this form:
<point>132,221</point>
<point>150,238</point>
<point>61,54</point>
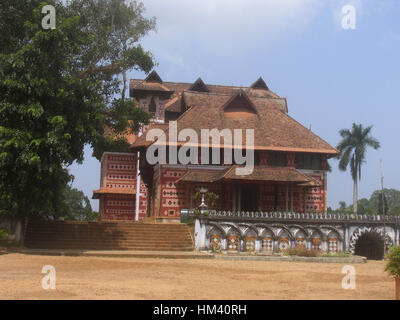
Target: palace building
<point>290,161</point>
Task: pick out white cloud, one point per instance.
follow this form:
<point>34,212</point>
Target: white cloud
<point>224,28</point>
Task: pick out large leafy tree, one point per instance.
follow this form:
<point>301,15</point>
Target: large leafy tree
<point>60,89</point>
<point>391,200</point>
<point>352,152</point>
<point>75,206</point>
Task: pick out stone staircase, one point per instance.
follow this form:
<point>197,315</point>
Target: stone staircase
<point>108,236</point>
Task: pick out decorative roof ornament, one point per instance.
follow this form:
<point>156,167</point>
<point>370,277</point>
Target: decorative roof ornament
<point>240,102</point>
<point>153,77</point>
<point>259,84</point>
<point>199,86</point>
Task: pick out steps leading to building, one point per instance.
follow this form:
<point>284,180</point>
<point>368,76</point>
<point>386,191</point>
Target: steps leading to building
<point>108,236</point>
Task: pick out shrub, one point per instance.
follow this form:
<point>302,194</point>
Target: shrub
<point>215,247</point>
<point>3,237</point>
<point>393,265</point>
<point>301,251</point>
<point>337,255</point>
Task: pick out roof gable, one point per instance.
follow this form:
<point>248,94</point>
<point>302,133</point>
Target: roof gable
<point>199,86</point>
<point>153,77</point>
<point>239,104</point>
<point>259,84</point>
<point>274,129</point>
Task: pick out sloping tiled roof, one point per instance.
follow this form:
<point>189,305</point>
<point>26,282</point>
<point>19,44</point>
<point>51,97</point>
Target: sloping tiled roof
<point>141,141</point>
<point>260,173</point>
<point>97,193</point>
<point>179,87</point>
<point>274,129</point>
<point>202,175</point>
<point>129,136</point>
<point>174,104</point>
<point>263,173</point>
<point>151,86</point>
<point>177,90</point>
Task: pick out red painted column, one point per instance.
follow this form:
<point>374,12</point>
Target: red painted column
<point>290,159</point>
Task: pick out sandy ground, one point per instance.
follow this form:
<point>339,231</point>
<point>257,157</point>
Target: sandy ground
<point>144,278</point>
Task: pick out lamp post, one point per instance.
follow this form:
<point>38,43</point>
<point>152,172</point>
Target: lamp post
<point>203,205</point>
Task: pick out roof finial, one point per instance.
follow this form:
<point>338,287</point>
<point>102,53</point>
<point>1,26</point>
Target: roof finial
<point>259,84</point>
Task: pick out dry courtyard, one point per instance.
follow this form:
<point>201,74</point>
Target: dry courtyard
<point>146,278</point>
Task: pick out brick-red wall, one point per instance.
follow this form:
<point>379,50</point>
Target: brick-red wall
<point>173,195</point>
<point>119,171</point>
<point>119,207</point>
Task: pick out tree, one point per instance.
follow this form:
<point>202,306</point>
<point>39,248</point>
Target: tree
<point>363,206</point>
<point>380,207</point>
<point>352,151</point>
<point>60,89</point>
<point>395,211</point>
<point>342,205</point>
<point>392,200</point>
<point>75,206</point>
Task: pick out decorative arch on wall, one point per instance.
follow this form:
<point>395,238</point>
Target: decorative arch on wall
<point>283,227</point>
<point>358,232</point>
<point>267,229</point>
<point>233,238</point>
<point>249,229</point>
<point>233,230</point>
<point>214,227</point>
<point>301,229</point>
<point>317,237</point>
<point>333,230</point>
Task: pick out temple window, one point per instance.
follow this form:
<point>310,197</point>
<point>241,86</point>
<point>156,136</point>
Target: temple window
<point>277,159</point>
<point>250,243</point>
<point>283,244</point>
<point>316,244</point>
<point>267,244</point>
<point>301,242</point>
<point>308,161</point>
<point>233,243</point>
<point>332,245</point>
<point>152,106</point>
<point>215,242</point>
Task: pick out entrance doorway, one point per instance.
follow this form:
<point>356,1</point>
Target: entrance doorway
<point>370,245</point>
<point>248,197</point>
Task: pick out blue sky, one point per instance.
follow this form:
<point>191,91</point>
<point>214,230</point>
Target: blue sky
<point>330,76</point>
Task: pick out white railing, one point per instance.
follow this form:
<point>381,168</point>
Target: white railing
<point>288,215</point>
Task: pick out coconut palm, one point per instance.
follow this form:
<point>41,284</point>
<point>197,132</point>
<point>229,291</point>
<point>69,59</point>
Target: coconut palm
<point>353,148</point>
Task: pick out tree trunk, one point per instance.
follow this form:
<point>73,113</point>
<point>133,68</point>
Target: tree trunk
<point>124,81</point>
<point>18,237</point>
<point>355,196</point>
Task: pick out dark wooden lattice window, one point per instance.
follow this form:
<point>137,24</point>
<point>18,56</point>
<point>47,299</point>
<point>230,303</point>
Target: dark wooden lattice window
<point>277,159</point>
<point>308,161</point>
<point>152,106</point>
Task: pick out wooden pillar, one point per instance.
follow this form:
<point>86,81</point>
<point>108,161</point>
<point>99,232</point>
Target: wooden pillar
<point>239,190</point>
<point>287,197</point>
<point>234,197</point>
<point>191,195</point>
<point>291,196</point>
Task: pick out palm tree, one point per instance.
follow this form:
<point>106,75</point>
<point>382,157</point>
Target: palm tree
<point>352,148</point>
